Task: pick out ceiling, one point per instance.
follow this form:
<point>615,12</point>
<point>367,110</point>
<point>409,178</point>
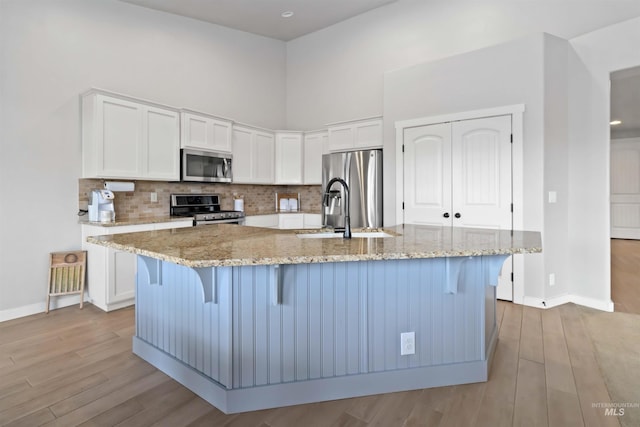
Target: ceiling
<point>625,103</point>
<point>263,17</point>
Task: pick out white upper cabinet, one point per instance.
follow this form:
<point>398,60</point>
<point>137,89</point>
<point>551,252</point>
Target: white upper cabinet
<point>289,157</point>
<point>355,135</point>
<point>126,138</point>
<point>253,155</point>
<point>205,132</point>
<point>314,147</point>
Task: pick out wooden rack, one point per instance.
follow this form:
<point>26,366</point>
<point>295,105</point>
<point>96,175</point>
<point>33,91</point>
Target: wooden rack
<point>67,274</point>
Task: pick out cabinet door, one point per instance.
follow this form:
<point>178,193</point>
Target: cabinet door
<point>427,175</point>
<point>122,276</point>
<point>173,224</point>
<point>119,138</point>
<point>265,221</point>
<point>341,138</point>
<point>161,151</point>
<point>242,155</point>
<point>206,133</point>
<point>263,153</point>
<point>195,131</point>
<point>221,131</point>
<point>288,162</point>
<point>312,221</point>
<point>368,134</point>
<point>291,221</point>
<point>313,150</point>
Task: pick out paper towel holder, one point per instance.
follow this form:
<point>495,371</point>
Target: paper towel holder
<point>119,186</point>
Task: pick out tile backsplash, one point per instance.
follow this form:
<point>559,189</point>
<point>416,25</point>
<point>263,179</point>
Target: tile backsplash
<point>258,199</point>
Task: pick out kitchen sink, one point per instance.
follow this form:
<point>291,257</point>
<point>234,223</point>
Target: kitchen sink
<point>340,235</point>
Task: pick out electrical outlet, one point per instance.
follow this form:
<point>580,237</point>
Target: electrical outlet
<point>154,197</point>
<point>552,279</point>
<point>407,343</point>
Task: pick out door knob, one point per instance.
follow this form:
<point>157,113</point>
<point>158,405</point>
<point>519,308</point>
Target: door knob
<point>457,215</point>
<point>446,215</point>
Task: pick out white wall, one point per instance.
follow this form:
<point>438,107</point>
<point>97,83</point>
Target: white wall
<point>51,51</point>
<point>556,172</point>
<point>593,58</point>
<point>337,73</point>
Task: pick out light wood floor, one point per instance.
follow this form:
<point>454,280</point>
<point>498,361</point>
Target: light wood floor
<point>75,367</point>
<point>625,275</point>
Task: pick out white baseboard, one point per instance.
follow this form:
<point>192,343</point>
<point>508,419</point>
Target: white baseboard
<point>28,310</point>
<point>564,299</point>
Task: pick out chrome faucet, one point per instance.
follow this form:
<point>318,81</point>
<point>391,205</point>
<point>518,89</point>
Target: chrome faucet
<point>325,202</point>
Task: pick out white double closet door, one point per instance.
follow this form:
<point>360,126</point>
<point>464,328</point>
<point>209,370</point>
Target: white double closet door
<point>459,174</point>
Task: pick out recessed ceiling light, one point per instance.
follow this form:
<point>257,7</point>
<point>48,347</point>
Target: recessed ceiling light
<point>287,14</point>
<point>615,122</point>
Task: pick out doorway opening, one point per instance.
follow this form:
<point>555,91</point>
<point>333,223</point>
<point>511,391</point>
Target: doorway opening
<point>625,189</point>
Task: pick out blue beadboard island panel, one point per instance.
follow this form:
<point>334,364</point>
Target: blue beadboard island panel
<point>261,336</point>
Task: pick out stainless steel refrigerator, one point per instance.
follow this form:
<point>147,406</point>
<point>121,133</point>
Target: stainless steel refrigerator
<point>362,171</point>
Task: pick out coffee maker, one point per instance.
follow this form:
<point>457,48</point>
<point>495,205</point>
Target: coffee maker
<point>101,206</point>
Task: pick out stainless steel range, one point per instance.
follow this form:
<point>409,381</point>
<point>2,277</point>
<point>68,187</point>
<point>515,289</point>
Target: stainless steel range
<point>203,208</point>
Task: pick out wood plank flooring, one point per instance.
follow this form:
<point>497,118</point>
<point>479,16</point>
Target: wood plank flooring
<point>625,275</point>
<point>75,367</point>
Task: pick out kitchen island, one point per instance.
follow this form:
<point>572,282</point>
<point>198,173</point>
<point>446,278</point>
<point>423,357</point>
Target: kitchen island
<point>252,318</point>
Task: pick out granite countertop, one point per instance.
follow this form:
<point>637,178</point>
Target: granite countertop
<point>167,218</point>
<point>133,221</point>
<point>234,245</point>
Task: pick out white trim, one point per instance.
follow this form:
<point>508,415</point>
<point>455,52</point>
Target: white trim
<point>399,175</point>
<point>39,307</point>
<point>464,115</point>
<point>516,111</point>
<point>602,305</point>
<point>362,119</point>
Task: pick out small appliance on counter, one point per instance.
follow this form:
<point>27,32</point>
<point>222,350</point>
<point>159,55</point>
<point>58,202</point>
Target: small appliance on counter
<point>101,207</point>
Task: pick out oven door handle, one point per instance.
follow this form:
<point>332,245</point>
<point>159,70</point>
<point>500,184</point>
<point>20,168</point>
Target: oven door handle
<point>220,221</point>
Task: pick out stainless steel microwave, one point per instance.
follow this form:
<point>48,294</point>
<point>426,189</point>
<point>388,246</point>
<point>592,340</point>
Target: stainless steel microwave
<point>205,166</point>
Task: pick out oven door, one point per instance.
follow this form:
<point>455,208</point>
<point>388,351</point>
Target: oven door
<point>205,166</point>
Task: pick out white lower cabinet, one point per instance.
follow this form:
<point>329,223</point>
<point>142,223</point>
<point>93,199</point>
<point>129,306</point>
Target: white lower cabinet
<point>264,221</point>
<point>291,221</point>
<point>312,221</point>
<point>111,274</point>
<point>285,221</point>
